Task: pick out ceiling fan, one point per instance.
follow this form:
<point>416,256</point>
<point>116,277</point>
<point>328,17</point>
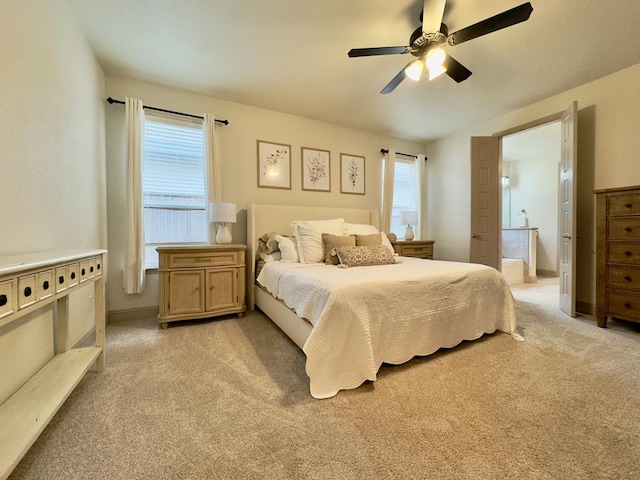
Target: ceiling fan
<point>427,40</point>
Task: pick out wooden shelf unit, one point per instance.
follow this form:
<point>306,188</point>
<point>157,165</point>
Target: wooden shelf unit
<point>29,284</point>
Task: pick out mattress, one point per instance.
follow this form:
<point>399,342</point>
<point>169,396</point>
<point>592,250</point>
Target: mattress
<point>365,316</point>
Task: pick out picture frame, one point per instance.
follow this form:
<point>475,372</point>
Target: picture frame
<point>316,169</point>
<point>352,174</point>
<point>274,165</point>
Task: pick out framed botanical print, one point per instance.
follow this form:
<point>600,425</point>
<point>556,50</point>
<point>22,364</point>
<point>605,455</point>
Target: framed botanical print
<point>316,169</point>
<point>351,174</point>
<point>274,165</point>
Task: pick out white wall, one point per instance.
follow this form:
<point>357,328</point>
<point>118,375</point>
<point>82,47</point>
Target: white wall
<point>534,188</point>
<point>239,163</point>
<point>52,185</point>
<point>52,157</point>
<point>607,157</point>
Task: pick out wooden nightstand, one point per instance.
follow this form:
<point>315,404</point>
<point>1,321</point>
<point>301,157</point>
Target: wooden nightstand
<point>414,248</point>
<point>201,282</point>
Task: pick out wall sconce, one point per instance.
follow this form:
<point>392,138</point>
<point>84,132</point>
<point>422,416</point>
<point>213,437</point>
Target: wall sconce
<point>408,218</point>
<point>222,214</point>
<point>505,182</point>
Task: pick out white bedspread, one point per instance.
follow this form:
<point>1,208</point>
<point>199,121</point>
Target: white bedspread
<point>365,316</point>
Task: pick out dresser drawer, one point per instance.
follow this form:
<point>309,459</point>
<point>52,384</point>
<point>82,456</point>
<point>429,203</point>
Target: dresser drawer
<point>624,228</point>
<point>624,277</point>
<point>8,298</point>
<point>628,253</point>
<point>626,306</point>
<point>208,259</point>
<point>27,290</point>
<point>45,285</point>
<point>624,205</point>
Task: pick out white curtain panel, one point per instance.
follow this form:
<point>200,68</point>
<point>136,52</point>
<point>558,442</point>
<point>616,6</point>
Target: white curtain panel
<point>422,197</point>
<point>387,191</point>
<point>212,158</point>
<point>133,277</point>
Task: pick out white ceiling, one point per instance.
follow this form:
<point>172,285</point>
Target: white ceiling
<point>291,55</point>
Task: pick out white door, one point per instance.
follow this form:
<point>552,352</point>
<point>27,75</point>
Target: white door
<point>486,203</point>
<point>567,230</point>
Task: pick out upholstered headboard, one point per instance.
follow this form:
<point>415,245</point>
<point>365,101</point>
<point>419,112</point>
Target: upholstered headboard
<point>263,219</point>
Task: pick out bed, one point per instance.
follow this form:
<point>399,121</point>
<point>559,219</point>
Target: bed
<point>350,321</point>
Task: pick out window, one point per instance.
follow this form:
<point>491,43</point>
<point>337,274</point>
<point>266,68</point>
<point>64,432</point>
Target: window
<point>173,185</point>
<point>406,185</point>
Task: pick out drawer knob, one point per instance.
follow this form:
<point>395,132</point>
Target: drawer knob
<point>627,229</point>
<point>628,254</point>
<point>3,300</point>
<point>84,272</point>
<point>627,278</point>
<point>98,266</point>
<point>45,285</point>
<point>91,269</point>
<point>627,305</point>
<point>628,205</point>
<point>27,291</point>
<point>73,275</point>
<point>61,279</point>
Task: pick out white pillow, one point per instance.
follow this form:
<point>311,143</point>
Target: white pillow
<point>271,257</point>
<point>359,229</point>
<point>364,229</point>
<point>288,249</point>
<point>308,234</point>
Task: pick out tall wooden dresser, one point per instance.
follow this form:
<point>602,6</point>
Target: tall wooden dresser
<point>618,254</point>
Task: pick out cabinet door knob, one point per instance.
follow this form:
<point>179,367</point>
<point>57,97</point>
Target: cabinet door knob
<point>627,278</point>
<point>628,205</point>
<point>628,254</point>
<point>627,229</point>
<point>627,305</point>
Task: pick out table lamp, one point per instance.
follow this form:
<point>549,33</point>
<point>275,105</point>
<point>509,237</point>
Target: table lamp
<point>222,214</point>
<point>409,218</point>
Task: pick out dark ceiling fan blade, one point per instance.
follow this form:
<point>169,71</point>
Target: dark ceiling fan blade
<point>432,13</point>
<point>505,19</point>
<point>455,69</point>
<point>367,52</point>
<point>395,81</point>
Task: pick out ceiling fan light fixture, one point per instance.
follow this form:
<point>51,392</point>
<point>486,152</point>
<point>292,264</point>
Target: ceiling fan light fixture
<point>414,71</point>
<point>435,62</point>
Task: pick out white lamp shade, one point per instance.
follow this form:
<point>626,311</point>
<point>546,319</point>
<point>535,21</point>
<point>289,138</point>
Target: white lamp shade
<point>220,212</point>
<point>409,217</point>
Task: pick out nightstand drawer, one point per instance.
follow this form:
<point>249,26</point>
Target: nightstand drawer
<point>417,250</point>
<point>208,259</point>
<point>624,205</point>
<point>626,306</point>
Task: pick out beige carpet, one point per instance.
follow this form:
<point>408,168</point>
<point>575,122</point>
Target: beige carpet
<point>229,399</point>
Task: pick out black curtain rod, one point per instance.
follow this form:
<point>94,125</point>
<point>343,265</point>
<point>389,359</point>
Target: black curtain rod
<point>384,152</point>
<point>113,100</point>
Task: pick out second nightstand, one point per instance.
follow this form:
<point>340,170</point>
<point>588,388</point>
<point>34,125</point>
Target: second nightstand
<point>414,248</point>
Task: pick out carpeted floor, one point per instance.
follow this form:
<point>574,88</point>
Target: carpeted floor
<point>229,399</point>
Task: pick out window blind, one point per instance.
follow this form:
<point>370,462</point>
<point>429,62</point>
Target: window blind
<point>173,184</point>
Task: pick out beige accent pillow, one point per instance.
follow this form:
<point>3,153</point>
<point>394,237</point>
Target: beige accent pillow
<point>366,240</point>
<point>363,256</point>
<point>267,243</point>
<point>331,241</point>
